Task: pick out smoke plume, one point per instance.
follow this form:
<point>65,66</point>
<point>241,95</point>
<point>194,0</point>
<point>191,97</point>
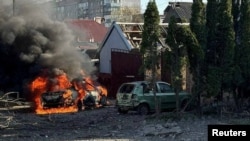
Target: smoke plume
<point>31,42</point>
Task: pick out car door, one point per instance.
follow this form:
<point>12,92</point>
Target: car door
<point>147,96</point>
<point>167,95</point>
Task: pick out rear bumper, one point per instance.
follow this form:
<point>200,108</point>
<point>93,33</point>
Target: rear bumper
<point>127,106</point>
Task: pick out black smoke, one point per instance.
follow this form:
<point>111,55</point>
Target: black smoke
<point>31,42</point>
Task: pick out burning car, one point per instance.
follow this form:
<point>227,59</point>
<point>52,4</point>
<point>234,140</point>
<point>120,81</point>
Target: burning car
<point>95,95</point>
<point>59,95</point>
<point>92,98</point>
<point>42,67</point>
<point>58,99</point>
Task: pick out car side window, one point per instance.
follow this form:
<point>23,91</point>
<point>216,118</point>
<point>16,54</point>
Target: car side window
<point>127,88</point>
<point>156,90</point>
<point>164,88</point>
<point>146,88</point>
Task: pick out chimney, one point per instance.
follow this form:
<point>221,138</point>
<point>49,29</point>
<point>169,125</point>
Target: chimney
<point>177,4</point>
<point>98,20</point>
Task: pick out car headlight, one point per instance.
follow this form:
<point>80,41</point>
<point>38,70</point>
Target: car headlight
<point>94,93</point>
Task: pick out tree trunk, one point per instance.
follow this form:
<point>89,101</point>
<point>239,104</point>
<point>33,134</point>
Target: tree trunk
<point>157,106</point>
<point>177,103</point>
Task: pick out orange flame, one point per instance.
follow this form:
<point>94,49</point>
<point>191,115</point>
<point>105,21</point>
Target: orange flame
<point>40,85</point>
<point>93,85</point>
<point>103,90</point>
<point>80,89</point>
<point>90,84</point>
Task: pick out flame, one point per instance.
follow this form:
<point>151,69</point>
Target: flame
<point>103,90</point>
<point>93,85</point>
<point>80,89</point>
<point>89,84</point>
<point>40,85</point>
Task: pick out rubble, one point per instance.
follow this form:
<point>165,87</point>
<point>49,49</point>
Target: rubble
<point>12,101</point>
<point>104,124</point>
<point>161,130</point>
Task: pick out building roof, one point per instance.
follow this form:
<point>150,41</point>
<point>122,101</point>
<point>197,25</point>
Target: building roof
<point>181,10</point>
<point>132,33</point>
<point>88,30</point>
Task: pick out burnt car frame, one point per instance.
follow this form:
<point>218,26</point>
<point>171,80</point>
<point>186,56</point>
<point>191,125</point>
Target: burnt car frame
<point>58,99</point>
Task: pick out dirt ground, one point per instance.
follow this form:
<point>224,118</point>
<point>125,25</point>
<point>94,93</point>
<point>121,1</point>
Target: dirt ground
<point>103,124</point>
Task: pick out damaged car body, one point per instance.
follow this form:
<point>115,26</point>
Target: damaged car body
<point>59,98</point>
<point>138,96</point>
<point>82,94</point>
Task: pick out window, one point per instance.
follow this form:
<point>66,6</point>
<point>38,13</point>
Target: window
<point>164,88</point>
<point>107,1</point>
<point>128,88</point>
<point>145,87</point>
<point>148,87</point>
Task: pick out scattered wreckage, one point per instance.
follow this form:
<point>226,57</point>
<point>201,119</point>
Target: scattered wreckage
<point>12,100</point>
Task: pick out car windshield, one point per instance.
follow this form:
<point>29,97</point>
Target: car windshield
<point>127,88</point>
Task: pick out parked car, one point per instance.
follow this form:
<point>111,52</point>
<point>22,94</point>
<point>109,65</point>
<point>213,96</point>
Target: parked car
<point>137,96</point>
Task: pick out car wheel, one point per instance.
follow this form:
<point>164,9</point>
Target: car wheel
<point>103,101</point>
<point>121,111</point>
<point>79,105</point>
<point>89,101</point>
<point>143,109</point>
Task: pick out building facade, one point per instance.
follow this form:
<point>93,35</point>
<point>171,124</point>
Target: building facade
<point>109,10</point>
<point>180,10</point>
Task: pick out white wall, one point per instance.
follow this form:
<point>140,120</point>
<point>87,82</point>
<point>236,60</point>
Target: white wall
<point>114,41</point>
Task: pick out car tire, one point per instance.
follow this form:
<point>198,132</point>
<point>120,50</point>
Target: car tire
<point>143,109</point>
<point>79,105</point>
<point>89,101</point>
<point>121,111</point>
<point>103,101</point>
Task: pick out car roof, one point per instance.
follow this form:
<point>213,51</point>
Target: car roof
<point>140,82</point>
<point>135,82</point>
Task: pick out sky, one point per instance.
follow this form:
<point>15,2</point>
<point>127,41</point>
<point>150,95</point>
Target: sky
<point>161,4</point>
